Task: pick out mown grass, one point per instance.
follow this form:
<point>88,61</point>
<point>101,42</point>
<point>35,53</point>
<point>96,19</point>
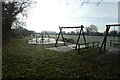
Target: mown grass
<point>22,60</point>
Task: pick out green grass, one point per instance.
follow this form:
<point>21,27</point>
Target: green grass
<point>22,60</point>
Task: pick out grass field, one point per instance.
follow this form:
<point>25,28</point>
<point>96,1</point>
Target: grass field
<point>22,60</point>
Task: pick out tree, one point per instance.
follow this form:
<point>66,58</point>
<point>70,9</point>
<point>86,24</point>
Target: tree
<point>64,32</point>
<point>88,30</point>
<point>10,12</point>
<point>91,29</point>
<point>113,33</point>
<point>72,32</point>
<point>21,32</point>
<point>86,1</point>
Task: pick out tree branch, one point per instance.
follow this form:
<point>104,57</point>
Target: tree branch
<point>21,8</point>
<point>99,2</point>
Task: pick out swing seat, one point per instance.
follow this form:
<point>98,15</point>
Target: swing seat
<point>69,40</point>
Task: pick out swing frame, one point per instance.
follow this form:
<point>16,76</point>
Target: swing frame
<point>80,32</point>
<point>103,45</point>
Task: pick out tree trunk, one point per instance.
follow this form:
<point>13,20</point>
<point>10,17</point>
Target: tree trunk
<point>6,28</point>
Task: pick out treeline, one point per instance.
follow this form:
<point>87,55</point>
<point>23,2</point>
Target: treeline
<point>20,33</point>
<point>88,34</point>
<point>92,30</point>
<point>111,33</point>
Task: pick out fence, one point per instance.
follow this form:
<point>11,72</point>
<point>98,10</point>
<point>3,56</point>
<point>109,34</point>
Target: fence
<point>115,43</point>
<point>88,45</point>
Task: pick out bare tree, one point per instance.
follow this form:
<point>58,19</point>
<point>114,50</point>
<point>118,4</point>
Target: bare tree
<point>85,1</point>
<point>10,11</point>
<point>91,29</point>
<point>88,30</point>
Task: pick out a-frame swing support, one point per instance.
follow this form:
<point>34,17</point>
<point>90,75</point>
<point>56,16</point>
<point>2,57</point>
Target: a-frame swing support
<point>105,39</point>
<point>103,45</point>
<point>60,33</point>
<point>81,31</point>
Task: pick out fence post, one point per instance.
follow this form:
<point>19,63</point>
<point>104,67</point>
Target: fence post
<point>87,45</point>
<point>78,46</point>
<point>93,44</point>
<point>98,44</point>
<point>110,42</point>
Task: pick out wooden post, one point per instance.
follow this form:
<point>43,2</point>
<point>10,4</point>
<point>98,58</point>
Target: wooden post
<point>42,38</point>
<point>83,34</point>
<point>110,42</point>
<point>78,46</point>
<point>93,44</point>
<point>108,27</point>
<point>98,44</point>
<point>62,35</point>
<point>57,38</point>
<point>87,45</point>
<point>105,39</point>
<point>36,38</point>
<point>78,39</point>
<point>47,34</point>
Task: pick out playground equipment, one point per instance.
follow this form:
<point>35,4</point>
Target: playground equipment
<point>42,38</point>
<point>64,39</point>
<point>78,44</point>
<point>112,42</point>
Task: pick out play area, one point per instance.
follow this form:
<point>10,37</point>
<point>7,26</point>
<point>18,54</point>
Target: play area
<point>60,39</point>
<point>43,41</point>
<point>69,44</point>
<point>62,56</point>
<point>42,38</point>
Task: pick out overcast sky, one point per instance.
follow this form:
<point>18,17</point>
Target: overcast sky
<point>50,14</point>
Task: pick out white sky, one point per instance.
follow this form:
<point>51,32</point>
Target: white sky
<point>50,14</point>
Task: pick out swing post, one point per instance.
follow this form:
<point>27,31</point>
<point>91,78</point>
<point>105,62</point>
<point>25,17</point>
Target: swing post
<point>103,45</point>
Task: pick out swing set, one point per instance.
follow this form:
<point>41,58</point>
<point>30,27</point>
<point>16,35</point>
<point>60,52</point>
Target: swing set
<point>114,42</point>
<point>64,39</point>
